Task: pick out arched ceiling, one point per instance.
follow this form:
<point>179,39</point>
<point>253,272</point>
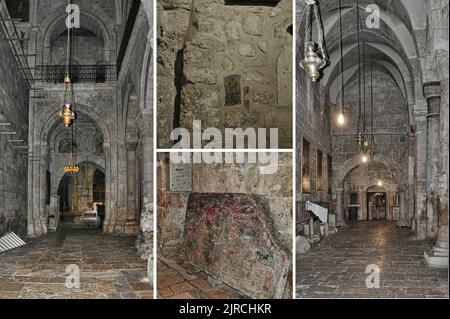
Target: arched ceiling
<point>392,47</point>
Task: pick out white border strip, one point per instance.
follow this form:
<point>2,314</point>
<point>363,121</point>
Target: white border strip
<point>155,212</point>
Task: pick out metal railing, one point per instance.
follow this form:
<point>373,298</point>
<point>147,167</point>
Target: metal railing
<point>78,73</point>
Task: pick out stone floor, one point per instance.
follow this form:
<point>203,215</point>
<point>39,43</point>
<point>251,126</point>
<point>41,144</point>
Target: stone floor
<point>110,267</point>
<point>336,267</point>
<point>178,280</point>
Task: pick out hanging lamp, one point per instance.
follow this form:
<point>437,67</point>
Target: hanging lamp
<point>67,113</point>
<point>341,117</point>
<point>361,139</point>
<point>315,55</point>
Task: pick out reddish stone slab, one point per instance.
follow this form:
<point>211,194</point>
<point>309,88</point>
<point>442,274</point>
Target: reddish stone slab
<point>232,237</point>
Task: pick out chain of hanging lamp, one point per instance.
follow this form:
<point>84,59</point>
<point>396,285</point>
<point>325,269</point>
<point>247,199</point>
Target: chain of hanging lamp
<point>68,113</point>
<point>341,118</point>
<point>362,140</point>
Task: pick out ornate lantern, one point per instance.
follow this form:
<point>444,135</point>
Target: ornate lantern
<point>315,58</point>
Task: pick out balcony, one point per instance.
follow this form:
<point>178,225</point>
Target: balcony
<point>78,73</point>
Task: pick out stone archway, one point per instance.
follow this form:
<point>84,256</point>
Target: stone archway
<point>345,170</point>
<point>43,150</point>
<point>77,193</point>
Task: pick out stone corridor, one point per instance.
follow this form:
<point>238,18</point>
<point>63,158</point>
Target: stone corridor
<point>336,268</point>
<point>109,265</point>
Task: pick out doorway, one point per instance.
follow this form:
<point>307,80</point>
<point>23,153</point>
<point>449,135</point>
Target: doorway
<point>376,206</point>
<point>81,192</point>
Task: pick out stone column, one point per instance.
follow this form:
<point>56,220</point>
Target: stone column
<point>432,92</point>
<point>439,254</point>
<point>145,242</point>
<point>109,205</point>
<point>411,179</point>
<point>131,219</point>
<point>340,221</point>
<point>420,217</point>
<point>402,220</point>
<point>442,240</point>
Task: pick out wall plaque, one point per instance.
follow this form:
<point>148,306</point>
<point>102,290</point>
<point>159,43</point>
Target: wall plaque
<point>180,177</point>
<point>232,90</point>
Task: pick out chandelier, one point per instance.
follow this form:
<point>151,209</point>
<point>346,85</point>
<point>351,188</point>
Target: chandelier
<point>315,55</point>
<point>365,140</point>
<point>68,114</point>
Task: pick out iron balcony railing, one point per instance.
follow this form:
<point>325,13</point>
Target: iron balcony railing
<point>78,73</point>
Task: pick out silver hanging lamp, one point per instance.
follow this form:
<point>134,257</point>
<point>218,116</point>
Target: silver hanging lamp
<point>315,55</point>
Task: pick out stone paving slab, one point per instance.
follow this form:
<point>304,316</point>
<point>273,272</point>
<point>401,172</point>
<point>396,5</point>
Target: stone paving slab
<point>336,267</point>
<point>110,268</point>
<point>177,280</point>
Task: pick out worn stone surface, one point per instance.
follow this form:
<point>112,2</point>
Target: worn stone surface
<point>336,267</point>
<point>210,41</point>
<point>110,268</point>
<point>13,162</point>
<point>225,232</point>
<point>178,280</point>
<point>226,179</point>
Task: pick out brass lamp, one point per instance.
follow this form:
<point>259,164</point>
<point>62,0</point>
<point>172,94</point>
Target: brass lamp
<point>67,115</point>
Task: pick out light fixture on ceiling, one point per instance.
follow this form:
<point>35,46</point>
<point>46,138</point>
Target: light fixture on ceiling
<point>315,55</point>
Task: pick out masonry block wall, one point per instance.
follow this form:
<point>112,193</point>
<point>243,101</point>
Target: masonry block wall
<point>228,65</point>
<point>13,162</point>
<point>223,178</point>
<point>392,143</point>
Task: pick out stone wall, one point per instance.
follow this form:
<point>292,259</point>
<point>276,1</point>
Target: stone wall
<point>88,50</point>
<point>227,65</point>
<point>312,125</point>
<point>393,147</point>
<point>223,178</point>
<point>364,179</point>
<point>13,161</point>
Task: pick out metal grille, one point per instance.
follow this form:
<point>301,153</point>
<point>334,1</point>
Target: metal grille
<point>78,73</point>
<point>10,241</point>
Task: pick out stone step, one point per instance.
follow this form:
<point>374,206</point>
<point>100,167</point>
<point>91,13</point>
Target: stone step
<point>434,260</point>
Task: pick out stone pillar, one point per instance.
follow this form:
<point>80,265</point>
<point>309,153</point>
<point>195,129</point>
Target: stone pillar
<point>145,239</point>
<point>402,220</point>
<point>439,254</point>
<point>420,216</point>
<point>109,191</point>
<point>411,179</point>
<point>340,221</point>
<point>432,92</point>
<point>132,226</point>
